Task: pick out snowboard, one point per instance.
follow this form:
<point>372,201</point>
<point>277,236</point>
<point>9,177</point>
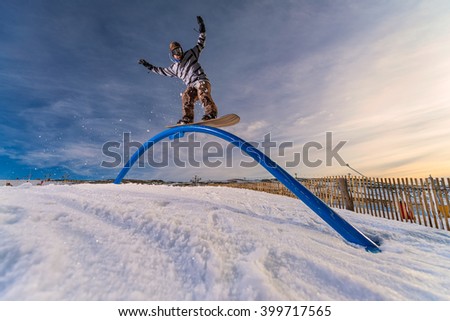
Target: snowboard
<point>223,121</point>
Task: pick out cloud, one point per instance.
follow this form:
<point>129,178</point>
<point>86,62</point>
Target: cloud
<point>374,74</point>
<point>385,95</point>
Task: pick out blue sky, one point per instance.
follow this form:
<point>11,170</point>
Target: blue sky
<point>376,74</point>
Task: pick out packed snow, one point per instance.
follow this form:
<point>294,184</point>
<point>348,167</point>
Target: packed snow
<point>142,242</point>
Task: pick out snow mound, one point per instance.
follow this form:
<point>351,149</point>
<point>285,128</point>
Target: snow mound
<point>139,242</point>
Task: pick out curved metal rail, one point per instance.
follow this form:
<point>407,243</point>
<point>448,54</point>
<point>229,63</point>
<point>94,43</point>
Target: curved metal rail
<point>340,225</point>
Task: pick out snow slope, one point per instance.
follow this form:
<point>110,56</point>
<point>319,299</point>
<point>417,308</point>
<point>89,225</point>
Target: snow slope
<point>138,242</point>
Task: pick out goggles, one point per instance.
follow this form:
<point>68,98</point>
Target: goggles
<point>177,52</point>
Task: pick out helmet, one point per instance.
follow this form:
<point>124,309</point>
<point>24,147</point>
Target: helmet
<point>173,45</point>
<point>175,49</point>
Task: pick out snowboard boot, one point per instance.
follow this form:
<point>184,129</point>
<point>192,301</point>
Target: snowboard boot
<point>185,120</point>
<point>209,116</point>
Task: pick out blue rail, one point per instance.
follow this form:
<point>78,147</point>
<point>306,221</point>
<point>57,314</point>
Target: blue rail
<point>341,226</point>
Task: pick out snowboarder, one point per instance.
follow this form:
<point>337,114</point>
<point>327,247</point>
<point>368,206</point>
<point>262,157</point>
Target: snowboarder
<point>186,67</point>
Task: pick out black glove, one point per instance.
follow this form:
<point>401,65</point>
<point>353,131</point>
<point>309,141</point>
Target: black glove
<point>201,24</point>
<point>145,63</point>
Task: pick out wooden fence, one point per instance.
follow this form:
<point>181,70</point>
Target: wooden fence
<point>420,201</point>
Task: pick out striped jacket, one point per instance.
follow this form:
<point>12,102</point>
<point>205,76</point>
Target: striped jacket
<point>188,69</point>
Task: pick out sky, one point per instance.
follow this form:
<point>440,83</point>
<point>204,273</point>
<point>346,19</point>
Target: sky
<point>374,75</point>
<point>133,242</point>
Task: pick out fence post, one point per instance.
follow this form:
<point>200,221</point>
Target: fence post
<point>343,186</point>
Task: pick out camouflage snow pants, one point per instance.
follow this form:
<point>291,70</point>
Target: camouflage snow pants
<point>202,92</point>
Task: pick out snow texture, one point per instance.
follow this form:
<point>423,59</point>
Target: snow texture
<point>140,242</point>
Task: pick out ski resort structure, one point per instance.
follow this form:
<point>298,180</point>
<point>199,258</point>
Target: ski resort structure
<point>340,225</point>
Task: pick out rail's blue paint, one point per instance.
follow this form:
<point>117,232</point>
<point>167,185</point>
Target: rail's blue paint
<point>345,229</point>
